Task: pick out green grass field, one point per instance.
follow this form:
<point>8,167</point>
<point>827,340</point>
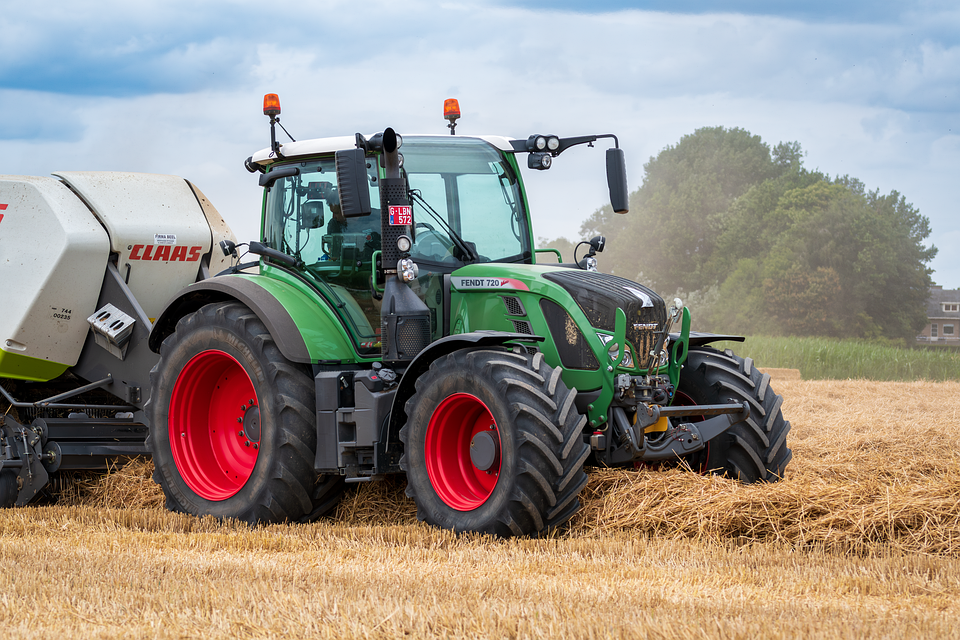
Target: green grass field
<point>833,359</point>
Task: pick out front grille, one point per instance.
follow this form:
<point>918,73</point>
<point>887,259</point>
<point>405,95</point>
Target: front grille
<point>599,295</point>
<point>522,326</point>
<point>514,306</point>
<point>572,347</point>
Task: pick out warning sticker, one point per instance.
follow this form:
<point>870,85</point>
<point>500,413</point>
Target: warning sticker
<point>164,238</point>
<point>400,214</point>
<point>474,283</point>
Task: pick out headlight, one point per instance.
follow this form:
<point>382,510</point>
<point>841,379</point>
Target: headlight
<point>613,352</point>
<point>408,270</point>
<point>539,161</point>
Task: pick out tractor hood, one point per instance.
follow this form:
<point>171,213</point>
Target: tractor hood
<point>575,309</point>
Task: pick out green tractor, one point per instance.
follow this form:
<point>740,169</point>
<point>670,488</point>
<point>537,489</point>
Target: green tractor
<point>397,320</point>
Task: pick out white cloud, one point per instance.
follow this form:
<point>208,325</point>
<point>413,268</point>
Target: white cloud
<point>874,101</point>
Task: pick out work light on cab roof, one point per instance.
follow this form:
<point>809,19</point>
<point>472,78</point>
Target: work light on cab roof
<point>271,108</point>
<point>271,105</point>
<point>451,111</point>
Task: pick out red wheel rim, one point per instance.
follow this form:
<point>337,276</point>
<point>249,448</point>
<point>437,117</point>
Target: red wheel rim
<point>212,408</point>
<point>454,426</point>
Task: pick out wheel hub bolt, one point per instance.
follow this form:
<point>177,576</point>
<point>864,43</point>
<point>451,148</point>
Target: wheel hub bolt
<point>240,433</point>
<point>247,443</point>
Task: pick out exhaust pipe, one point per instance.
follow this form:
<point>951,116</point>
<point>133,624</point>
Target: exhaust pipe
<point>405,319</point>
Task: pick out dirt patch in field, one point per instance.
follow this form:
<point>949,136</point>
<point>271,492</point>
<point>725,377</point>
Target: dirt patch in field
<point>874,467</point>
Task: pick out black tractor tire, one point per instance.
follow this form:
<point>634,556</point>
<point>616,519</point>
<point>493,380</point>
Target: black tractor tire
<point>493,443</point>
<point>754,450</point>
<point>233,423</point>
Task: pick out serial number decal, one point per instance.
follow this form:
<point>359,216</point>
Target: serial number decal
<point>178,253</point>
<point>164,238</point>
<point>61,314</point>
<point>488,283</point>
<point>401,214</point>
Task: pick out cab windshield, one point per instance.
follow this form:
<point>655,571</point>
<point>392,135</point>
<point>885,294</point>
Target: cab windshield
<point>466,203</point>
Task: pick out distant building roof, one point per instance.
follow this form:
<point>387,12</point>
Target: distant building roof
<point>940,296</point>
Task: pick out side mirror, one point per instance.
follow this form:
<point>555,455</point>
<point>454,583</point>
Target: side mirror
<point>267,179</point>
<point>352,183</point>
<point>617,180</point>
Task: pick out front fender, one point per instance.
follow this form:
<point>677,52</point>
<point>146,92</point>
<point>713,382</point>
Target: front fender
<point>440,348</point>
<point>305,329</point>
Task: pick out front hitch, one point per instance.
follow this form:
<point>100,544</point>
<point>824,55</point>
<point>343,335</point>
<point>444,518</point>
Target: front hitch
<point>679,439</point>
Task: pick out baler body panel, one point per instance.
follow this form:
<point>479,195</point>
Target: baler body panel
<point>156,225</point>
<point>53,254</point>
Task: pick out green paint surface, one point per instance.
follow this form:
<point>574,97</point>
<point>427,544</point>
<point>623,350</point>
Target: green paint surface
<point>20,367</point>
<point>321,329</point>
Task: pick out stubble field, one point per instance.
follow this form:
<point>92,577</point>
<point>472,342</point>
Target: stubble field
<point>861,539</point>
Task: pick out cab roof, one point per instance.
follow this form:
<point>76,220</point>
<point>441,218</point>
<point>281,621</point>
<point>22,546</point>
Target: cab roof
<point>317,146</point>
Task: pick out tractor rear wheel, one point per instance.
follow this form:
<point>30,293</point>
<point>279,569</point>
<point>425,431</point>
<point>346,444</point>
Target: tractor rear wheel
<point>494,444</point>
<point>232,422</point>
<point>754,450</point>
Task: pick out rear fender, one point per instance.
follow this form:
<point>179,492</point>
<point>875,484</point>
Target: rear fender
<point>305,329</point>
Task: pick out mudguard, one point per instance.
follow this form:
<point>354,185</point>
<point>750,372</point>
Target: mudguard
<point>305,329</point>
<point>440,348</point>
<point>700,338</point>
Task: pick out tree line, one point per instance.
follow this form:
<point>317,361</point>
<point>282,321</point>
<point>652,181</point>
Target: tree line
<point>754,242</point>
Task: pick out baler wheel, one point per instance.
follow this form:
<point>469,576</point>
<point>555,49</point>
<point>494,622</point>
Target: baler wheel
<point>233,431</point>
<point>754,450</point>
<point>494,444</point>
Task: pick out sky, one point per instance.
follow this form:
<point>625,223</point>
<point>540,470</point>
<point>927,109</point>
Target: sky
<point>869,89</point>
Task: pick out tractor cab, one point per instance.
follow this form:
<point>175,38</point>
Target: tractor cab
<point>466,197</point>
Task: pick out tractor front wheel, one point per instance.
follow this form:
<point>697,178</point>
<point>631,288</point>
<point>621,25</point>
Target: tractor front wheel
<point>232,422</point>
<point>754,450</point>
<point>494,444</point>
